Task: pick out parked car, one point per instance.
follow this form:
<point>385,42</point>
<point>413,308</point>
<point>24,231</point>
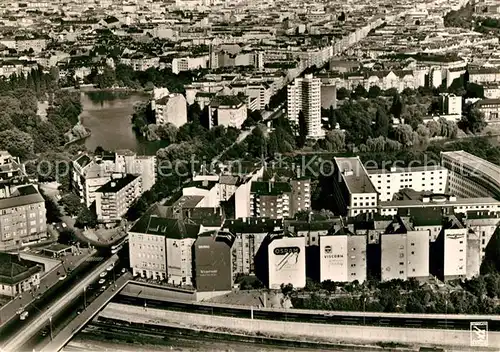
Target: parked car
<point>101,281</point>
<point>24,315</point>
<point>103,288</point>
<point>19,311</point>
<point>103,274</point>
<point>109,268</point>
<point>124,270</point>
<point>62,277</point>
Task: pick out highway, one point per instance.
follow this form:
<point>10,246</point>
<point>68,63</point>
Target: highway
<point>72,327</point>
<point>50,288</point>
<point>441,321</point>
<point>39,321</point>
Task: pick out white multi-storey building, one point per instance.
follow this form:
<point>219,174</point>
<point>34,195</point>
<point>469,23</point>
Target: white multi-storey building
<point>423,178</point>
<point>471,176</point>
<point>404,252</point>
<point>342,257</point>
<point>304,94</point>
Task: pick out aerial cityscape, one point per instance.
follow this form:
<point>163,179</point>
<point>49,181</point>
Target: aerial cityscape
<point>209,175</point>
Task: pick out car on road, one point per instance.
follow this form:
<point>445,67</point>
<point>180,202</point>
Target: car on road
<point>24,315</point>
<point>62,277</point>
<point>109,268</point>
<point>103,274</point>
<point>101,281</point>
<point>19,311</point>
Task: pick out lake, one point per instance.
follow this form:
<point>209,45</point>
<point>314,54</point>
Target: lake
<point>108,116</point>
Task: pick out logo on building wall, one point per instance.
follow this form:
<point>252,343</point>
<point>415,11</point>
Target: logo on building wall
<point>286,250</point>
<point>328,249</point>
<point>479,333</point>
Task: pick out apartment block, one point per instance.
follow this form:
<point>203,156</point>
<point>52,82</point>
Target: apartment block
<point>304,95</point>
<point>286,261</point>
<point>388,182</point>
<point>404,252</point>
<point>227,110</point>
<point>114,198</point>
<point>22,218</point>
<point>270,200</point>
<point>161,249</point>
<point>471,176</point>
<point>342,257</point>
<point>354,192</point>
<point>490,109</point>
<point>89,173</point>
<point>249,234</point>
<point>213,262</point>
<point>170,109</point>
<point>456,253</point>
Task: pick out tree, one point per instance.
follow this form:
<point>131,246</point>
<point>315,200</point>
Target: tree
<point>72,204</point>
<point>335,141</point>
<point>473,119</point>
<point>66,236</point>
<point>404,134</point>
<point>86,218</point>
<point>17,143</point>
<point>397,106</point>
<point>434,128</point>
<point>381,126</point>
<point>287,289</point>
<point>302,136</point>
<point>167,132</point>
<point>343,93</point>
<point>374,92</point>
<point>359,92</point>
<point>106,79</point>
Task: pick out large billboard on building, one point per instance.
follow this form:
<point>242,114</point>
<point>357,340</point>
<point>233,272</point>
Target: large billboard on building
<point>213,263</point>
<point>287,262</point>
<point>333,258</point>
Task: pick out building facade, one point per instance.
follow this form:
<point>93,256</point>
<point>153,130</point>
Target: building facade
<point>115,197</point>
<point>304,95</point>
<point>287,262</point>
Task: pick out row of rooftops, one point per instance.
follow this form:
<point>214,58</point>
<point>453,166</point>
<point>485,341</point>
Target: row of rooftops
<point>176,228</point>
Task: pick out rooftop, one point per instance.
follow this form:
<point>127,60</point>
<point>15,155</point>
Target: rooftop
<point>225,101</point>
<point>354,175</point>
<point>479,164</point>
<point>170,228</point>
<point>14,269</point>
<point>270,188</point>
<point>117,184</point>
<point>23,195</point>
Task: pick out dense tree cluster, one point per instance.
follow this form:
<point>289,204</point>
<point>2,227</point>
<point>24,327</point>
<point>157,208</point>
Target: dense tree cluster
<point>22,131</point>
<point>474,296</point>
<point>125,76</point>
<point>191,146</point>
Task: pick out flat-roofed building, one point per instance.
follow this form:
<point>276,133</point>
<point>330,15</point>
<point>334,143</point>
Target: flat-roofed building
<point>407,200</point>
<point>249,235</point>
<point>18,275</point>
<point>22,218</point>
<point>114,198</point>
<point>404,252</point>
<point>471,176</point>
<point>270,199</point>
<point>490,109</point>
<point>456,253</point>
<point>213,262</point>
<point>171,109</point>
<point>354,192</point>
<point>483,223</point>
<point>227,110</point>
<point>342,257</point>
<point>286,261</point>
<point>161,248</point>
<point>388,182</point>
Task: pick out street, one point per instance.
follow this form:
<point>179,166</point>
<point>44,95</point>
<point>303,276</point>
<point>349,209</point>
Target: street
<point>39,320</point>
<point>67,265</point>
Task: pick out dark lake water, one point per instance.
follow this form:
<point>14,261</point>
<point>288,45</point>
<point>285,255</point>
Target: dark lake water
<point>108,115</point>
